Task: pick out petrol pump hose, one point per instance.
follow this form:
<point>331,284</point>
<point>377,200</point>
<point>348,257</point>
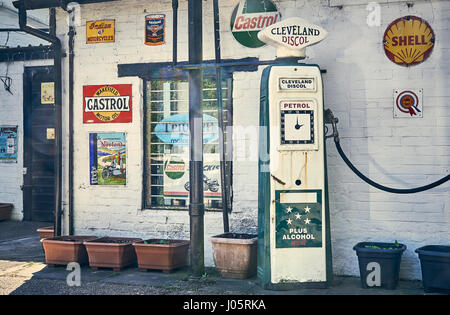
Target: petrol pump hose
<point>329,118</point>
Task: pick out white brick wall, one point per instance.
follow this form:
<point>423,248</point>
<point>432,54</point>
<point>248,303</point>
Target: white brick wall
<point>358,88</point>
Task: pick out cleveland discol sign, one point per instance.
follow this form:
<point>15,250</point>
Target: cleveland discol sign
<point>251,16</point>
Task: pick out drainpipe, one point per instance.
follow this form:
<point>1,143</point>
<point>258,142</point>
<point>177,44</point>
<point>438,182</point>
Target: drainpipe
<point>56,43</point>
<point>195,78</point>
<point>175,31</point>
<point>71,148</point>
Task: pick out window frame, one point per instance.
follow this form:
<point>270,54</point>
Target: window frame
<point>228,116</point>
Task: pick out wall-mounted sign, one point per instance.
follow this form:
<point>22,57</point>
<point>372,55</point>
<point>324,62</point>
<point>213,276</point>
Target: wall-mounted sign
<point>176,176</point>
<point>107,158</point>
<point>175,129</point>
<point>8,144</point>
<point>251,16</point>
<point>107,103</point>
<point>154,29</point>
<point>408,40</point>
<point>47,93</point>
<point>102,31</point>
<point>408,103</point>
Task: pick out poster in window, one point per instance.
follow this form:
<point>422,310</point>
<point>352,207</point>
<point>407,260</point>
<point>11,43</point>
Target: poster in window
<point>8,144</point>
<point>176,176</point>
<point>107,158</point>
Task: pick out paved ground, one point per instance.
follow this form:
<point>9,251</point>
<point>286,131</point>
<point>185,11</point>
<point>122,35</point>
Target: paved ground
<point>22,271</point>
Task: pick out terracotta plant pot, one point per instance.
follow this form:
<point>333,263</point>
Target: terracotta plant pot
<point>61,250</point>
<point>235,254</point>
<point>5,211</point>
<point>111,252</point>
<point>46,232</point>
<point>165,255</point>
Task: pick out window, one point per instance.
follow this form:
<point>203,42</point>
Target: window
<point>166,141</point>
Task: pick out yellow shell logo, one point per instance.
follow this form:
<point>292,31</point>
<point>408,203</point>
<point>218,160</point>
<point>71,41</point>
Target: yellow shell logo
<point>408,40</point>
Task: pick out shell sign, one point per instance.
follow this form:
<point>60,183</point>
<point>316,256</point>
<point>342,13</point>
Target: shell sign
<point>408,40</point>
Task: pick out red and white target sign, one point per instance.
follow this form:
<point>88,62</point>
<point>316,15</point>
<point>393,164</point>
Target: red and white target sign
<point>408,103</point>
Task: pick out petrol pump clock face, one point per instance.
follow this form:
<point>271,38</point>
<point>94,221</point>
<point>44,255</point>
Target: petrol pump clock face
<point>297,125</point>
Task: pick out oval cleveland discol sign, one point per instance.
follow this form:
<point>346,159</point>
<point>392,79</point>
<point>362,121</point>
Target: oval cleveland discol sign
<point>408,40</point>
<point>107,103</point>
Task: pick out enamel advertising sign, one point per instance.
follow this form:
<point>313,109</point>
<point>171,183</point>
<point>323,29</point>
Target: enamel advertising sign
<point>107,103</point>
<point>251,16</point>
<point>107,158</point>
<point>408,41</point>
<point>408,103</point>
<point>154,29</point>
<point>102,31</point>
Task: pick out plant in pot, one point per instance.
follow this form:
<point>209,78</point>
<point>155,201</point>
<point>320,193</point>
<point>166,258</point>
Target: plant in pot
<point>161,254</point>
<point>62,250</point>
<point>379,263</point>
<point>111,252</point>
<point>235,254</point>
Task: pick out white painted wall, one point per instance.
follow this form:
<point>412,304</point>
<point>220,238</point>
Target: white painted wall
<point>358,88</point>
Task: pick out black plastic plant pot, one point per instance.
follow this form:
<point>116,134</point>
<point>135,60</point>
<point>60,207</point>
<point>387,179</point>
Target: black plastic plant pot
<point>435,264</point>
<point>379,264</point>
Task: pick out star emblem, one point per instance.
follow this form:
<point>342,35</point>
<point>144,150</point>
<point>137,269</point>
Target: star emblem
<point>289,210</point>
<point>289,221</point>
<point>298,216</point>
<point>307,221</point>
<point>307,209</point>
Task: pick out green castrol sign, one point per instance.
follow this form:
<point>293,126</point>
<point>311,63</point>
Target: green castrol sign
<point>251,16</point>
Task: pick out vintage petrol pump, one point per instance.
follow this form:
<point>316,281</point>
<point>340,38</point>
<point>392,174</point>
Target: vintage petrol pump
<point>294,247</point>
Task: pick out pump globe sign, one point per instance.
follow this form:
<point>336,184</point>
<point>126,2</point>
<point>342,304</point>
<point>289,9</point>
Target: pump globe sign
<point>251,16</point>
<point>107,103</point>
<point>408,40</point>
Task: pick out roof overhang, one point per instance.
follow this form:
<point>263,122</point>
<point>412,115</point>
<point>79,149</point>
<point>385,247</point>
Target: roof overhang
<point>42,4</point>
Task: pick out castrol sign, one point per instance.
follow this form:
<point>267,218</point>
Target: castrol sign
<point>251,16</point>
<point>107,103</point>
<point>292,36</point>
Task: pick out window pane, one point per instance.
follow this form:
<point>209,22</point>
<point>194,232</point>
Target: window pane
<point>167,143</point>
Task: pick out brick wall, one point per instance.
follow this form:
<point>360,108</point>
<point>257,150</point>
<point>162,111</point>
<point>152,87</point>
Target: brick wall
<point>358,87</point>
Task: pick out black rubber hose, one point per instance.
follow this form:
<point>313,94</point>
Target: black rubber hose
<point>381,187</point>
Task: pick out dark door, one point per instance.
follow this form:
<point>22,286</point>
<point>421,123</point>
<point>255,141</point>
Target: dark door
<point>39,144</point>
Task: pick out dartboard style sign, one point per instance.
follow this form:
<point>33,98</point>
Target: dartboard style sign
<point>107,103</point>
<point>408,103</point>
<point>408,40</point>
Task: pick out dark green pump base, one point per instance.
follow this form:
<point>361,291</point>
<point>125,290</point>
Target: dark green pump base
<point>295,285</point>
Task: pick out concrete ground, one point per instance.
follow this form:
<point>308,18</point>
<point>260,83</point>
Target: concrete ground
<point>23,272</point>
